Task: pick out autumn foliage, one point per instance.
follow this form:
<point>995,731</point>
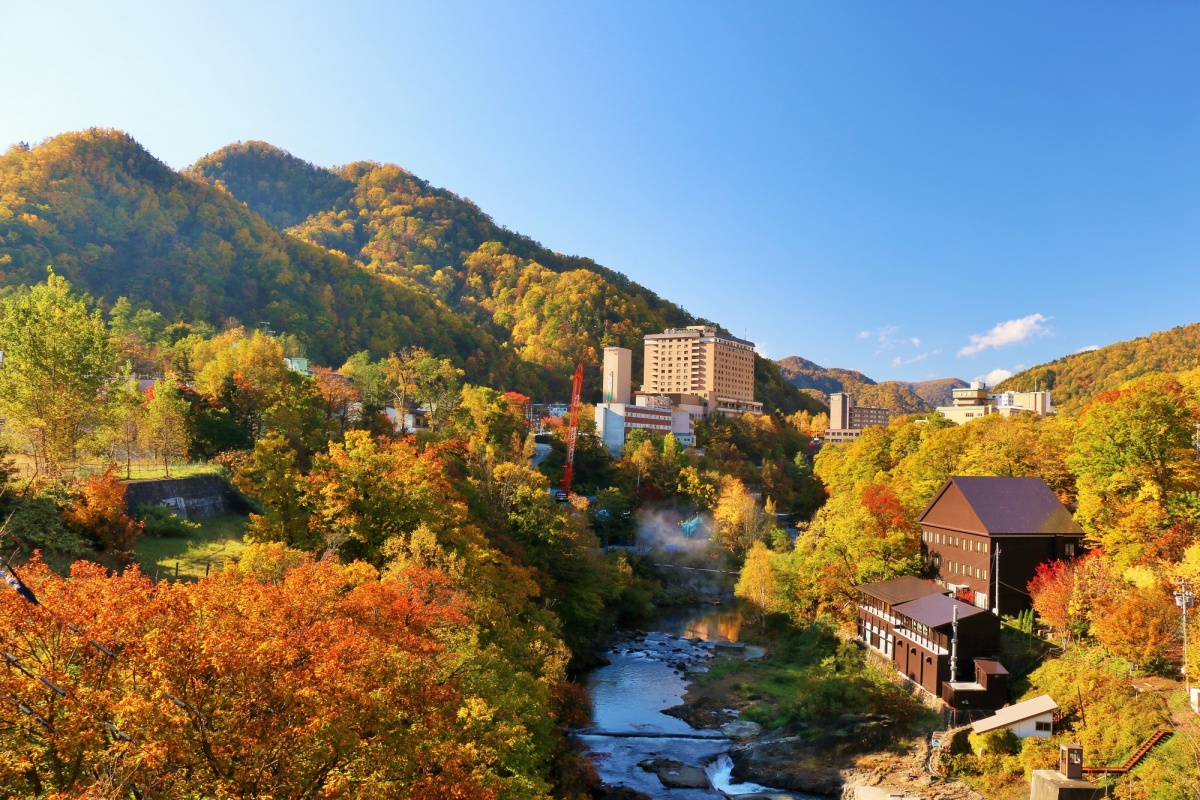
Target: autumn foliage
<point>290,677</point>
<point>101,515</point>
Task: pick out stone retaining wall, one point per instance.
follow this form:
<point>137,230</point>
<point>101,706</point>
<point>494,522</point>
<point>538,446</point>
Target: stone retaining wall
<point>191,498</point>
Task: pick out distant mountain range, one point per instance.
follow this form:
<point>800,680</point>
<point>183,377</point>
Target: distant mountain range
<point>1073,381</point>
<point>901,397</point>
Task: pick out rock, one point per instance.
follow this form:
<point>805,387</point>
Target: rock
<point>617,793</point>
<point>742,729</point>
<point>676,774</point>
<point>735,649</point>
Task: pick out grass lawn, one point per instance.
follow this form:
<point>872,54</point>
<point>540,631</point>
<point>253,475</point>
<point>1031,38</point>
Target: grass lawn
<point>217,539</point>
<point>140,470</point>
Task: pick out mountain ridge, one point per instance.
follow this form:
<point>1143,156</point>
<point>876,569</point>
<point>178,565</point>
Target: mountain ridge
<point>1075,380</point>
<point>902,397</point>
<point>365,256</point>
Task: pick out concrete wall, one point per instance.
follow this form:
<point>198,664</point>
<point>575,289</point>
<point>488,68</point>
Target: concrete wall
<point>191,498</point>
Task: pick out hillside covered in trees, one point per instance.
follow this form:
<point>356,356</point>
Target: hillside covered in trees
<point>1076,380</point>
<point>365,257</point>
<point>899,396</point>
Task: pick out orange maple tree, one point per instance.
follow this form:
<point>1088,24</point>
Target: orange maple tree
<point>280,677</point>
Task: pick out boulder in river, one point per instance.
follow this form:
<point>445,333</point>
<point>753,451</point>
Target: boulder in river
<point>675,774</point>
<point>741,729</point>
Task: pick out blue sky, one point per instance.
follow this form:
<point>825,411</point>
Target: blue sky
<point>913,190</point>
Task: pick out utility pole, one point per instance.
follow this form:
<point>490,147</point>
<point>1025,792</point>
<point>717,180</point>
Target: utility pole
<point>1185,599</point>
<point>996,575</point>
<point>954,645</point>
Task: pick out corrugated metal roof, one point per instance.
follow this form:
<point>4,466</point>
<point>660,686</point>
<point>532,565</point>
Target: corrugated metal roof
<point>936,610</point>
<point>900,590</point>
<point>1018,712</point>
<point>1006,506</point>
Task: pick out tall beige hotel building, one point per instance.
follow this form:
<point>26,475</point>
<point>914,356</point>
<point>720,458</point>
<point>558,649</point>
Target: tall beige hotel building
<point>699,367</point>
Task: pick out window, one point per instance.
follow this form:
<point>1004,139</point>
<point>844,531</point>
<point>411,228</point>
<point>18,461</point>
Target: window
<point>1069,549</point>
<point>1048,727</point>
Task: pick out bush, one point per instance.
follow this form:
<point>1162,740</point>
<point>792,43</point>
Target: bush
<point>162,523</point>
<point>37,524</point>
<point>998,742</point>
<point>1038,753</point>
<point>100,514</point>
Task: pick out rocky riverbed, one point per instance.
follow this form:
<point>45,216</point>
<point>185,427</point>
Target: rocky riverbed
<point>658,733</point>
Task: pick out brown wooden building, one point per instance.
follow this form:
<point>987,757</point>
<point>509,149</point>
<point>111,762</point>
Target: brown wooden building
<point>910,621</point>
<point>980,533</point>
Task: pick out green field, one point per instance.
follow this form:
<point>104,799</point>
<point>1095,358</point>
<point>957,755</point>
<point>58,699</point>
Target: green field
<point>217,539</point>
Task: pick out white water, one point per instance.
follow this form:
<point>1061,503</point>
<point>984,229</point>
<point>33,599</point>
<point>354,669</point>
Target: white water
<point>720,774</point>
<point>629,696</point>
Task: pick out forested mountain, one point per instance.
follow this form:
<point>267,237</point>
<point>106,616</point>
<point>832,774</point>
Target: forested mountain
<point>900,397</point>
<point>364,257</point>
<point>936,392</point>
<point>1076,380</point>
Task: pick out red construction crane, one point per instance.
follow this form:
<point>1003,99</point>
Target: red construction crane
<point>573,430</point>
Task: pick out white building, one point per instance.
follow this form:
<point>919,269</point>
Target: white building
<point>1034,717</point>
<point>974,401</point>
<point>618,374</point>
<point>615,421</point>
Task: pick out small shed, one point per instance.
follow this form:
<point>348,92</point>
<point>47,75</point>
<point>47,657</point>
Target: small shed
<point>1034,717</point>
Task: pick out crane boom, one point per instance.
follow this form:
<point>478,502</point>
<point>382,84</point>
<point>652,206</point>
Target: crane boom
<point>573,430</point>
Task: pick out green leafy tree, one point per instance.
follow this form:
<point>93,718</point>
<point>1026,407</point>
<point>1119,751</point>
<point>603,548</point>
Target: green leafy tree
<point>127,409</point>
<point>58,361</point>
<point>166,434</point>
<point>1132,453</point>
<point>273,478</point>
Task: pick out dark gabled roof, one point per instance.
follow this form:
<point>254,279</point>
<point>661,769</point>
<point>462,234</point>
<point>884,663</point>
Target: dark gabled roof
<point>900,590</point>
<point>993,506</point>
<point>937,610</point>
<point>990,666</point>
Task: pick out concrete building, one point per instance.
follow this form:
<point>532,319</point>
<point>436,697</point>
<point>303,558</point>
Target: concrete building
<point>911,622</point>
<point>701,362</point>
<point>847,419</point>
<point>618,374</point>
<point>297,364</point>
<point>974,401</point>
<point>615,421</point>
<point>980,533</point>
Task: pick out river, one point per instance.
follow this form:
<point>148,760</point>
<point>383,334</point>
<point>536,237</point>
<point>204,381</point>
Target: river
<point>645,677</point>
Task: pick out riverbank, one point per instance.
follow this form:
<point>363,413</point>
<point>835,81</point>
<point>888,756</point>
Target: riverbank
<point>813,717</point>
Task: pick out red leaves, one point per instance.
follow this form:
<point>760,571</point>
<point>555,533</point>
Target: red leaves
<point>882,503</point>
<point>327,677</point>
<point>101,514</point>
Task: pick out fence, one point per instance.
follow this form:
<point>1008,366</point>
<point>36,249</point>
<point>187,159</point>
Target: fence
<point>137,470</point>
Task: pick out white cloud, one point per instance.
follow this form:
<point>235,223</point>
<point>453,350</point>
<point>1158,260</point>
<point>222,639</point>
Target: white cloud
<point>994,377</point>
<point>761,349</point>
<point>900,362</point>
<point>1006,333</point>
<point>916,342</point>
<point>865,335</point>
<point>886,337</point>
<point>1089,348</point>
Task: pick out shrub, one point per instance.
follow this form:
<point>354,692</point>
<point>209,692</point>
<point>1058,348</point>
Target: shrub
<point>101,515</point>
<point>162,523</point>
<point>998,742</point>
<point>36,524</point>
<point>1038,753</point>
